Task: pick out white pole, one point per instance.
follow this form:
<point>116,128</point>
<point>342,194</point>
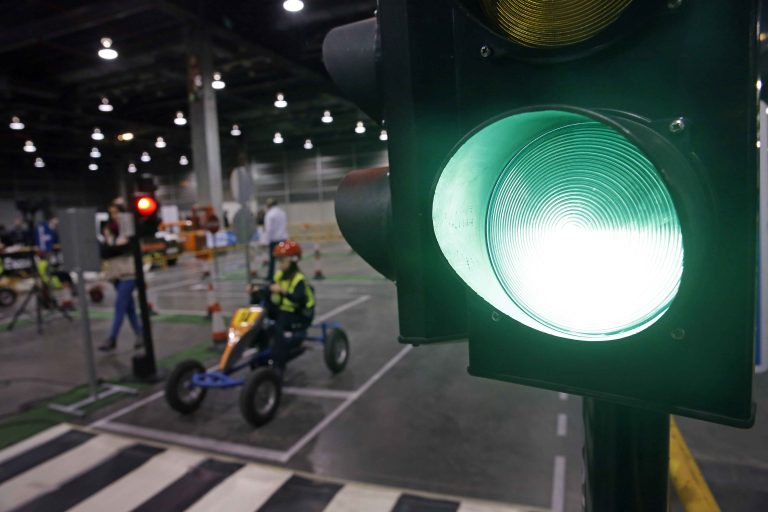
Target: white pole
<point>762,361</point>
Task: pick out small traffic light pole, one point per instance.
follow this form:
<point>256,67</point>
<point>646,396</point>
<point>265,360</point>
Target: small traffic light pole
<point>626,458</point>
<point>144,367</point>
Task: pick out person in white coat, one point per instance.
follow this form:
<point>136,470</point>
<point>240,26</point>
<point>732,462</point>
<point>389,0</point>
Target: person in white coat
<point>275,231</point>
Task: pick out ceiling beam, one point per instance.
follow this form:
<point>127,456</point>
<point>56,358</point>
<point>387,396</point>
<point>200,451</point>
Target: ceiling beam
<point>82,18</point>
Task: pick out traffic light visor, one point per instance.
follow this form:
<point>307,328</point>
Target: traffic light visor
<point>552,24</point>
<point>562,223</point>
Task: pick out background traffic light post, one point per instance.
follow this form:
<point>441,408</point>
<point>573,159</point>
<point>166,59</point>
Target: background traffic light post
<point>573,189</point>
<point>144,209</point>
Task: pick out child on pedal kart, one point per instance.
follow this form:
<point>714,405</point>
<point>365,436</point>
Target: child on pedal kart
<point>291,303</point>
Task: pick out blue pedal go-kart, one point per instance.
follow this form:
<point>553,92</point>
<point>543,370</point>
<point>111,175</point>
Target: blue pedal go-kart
<point>189,382</point>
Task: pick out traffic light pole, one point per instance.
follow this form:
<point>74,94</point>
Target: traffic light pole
<point>144,367</point>
<point>626,458</point>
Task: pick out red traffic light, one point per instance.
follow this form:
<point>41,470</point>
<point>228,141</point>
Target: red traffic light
<point>146,205</point>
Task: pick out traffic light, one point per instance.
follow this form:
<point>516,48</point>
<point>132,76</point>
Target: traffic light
<point>586,172</point>
<point>145,206</point>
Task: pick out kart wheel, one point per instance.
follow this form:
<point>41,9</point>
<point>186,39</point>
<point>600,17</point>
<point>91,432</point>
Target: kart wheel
<point>180,394</point>
<point>7,297</point>
<point>260,397</point>
<point>336,350</point>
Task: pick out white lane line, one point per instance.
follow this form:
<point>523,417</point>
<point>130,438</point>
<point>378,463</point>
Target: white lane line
<point>246,490</point>
<point>343,307</point>
<point>125,410</point>
<point>563,396</point>
<point>356,497</point>
<point>479,506</point>
<point>54,472</point>
<point>558,485</point>
<point>344,405</point>
<point>562,425</point>
<point>200,443</point>
<point>142,483</point>
<point>31,442</point>
<point>318,392</point>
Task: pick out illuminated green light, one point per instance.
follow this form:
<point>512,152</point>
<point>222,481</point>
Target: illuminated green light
<point>560,222</point>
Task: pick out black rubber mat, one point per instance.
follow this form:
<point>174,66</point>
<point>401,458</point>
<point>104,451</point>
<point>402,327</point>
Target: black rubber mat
<point>191,487</point>
<point>302,494</point>
<point>411,503</point>
<point>41,453</point>
<point>92,481</point>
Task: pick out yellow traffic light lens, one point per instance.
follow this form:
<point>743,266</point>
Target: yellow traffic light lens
<point>552,23</point>
<point>562,223</point>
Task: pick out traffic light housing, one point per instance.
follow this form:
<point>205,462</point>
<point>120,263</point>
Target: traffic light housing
<point>145,206</point>
<point>587,172</point>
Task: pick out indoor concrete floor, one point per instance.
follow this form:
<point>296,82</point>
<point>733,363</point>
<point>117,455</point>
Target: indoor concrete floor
<point>409,418</point>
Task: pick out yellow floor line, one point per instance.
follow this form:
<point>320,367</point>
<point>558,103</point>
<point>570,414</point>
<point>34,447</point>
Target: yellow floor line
<point>692,489</point>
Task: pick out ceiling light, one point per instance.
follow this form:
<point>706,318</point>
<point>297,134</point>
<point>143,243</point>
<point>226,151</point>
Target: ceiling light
<point>308,144</point>
<point>278,138</point>
<point>145,157</point>
<point>93,166</point>
<point>327,118</point>
<point>360,128</point>
<point>39,163</point>
<point>16,124</point>
<point>107,52</point>
<point>125,137</point>
<point>160,143</point>
<point>235,130</point>
<point>131,168</point>
<point>183,160</point>
<point>280,101</point>
<point>180,119</point>
<point>383,135</point>
<point>95,153</point>
<point>29,147</point>
<point>217,83</point>
<point>293,5</point>
<point>97,135</point>
<point>105,105</point>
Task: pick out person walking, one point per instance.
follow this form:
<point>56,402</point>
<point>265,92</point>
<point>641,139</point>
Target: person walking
<point>275,231</point>
<point>120,270</point>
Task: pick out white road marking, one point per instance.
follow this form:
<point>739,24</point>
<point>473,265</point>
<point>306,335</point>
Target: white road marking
<point>479,506</point>
<point>562,425</point>
<point>558,485</point>
<point>345,404</point>
<point>32,442</point>
<point>343,307</point>
<point>318,392</point>
<point>246,490</point>
<point>356,497</point>
<point>142,483</point>
<point>54,472</point>
<point>171,286</point>
<point>200,443</point>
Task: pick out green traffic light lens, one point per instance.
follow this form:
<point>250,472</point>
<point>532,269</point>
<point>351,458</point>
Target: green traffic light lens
<point>568,220</point>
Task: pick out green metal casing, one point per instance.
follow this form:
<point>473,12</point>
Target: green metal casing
<point>696,61</point>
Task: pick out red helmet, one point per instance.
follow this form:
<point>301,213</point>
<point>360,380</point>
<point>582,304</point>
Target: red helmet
<point>287,248</point>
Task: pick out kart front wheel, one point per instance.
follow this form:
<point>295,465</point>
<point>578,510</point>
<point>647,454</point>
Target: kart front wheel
<point>180,393</point>
<point>336,350</point>
<point>260,396</point>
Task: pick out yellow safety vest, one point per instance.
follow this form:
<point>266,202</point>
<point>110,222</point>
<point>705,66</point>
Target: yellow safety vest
<point>282,301</point>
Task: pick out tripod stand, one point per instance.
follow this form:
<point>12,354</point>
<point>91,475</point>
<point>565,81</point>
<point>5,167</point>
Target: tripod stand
<point>41,291</point>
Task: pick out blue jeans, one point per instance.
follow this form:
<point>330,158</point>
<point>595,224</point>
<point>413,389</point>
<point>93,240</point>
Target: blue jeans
<point>124,305</point>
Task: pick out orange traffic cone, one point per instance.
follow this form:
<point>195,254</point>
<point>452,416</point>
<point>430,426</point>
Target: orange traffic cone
<point>211,299</point>
<point>218,328</point>
<point>318,269</point>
